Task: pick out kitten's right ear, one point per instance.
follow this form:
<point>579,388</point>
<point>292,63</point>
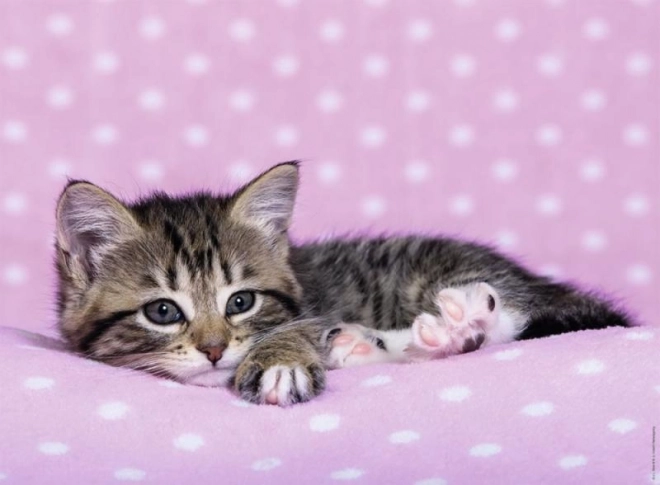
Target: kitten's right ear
<point>89,222</point>
<point>267,202</point>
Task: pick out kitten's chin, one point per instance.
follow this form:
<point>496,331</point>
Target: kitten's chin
<point>212,378</point>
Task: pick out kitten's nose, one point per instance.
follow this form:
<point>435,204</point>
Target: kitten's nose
<point>213,352</point>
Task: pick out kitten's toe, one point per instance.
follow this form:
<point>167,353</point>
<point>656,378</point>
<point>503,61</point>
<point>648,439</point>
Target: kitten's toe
<point>429,333</point>
<point>282,385</point>
<point>354,345</point>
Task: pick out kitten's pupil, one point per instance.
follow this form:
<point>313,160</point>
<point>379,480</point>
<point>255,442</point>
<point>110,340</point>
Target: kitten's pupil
<point>239,302</point>
<point>162,309</point>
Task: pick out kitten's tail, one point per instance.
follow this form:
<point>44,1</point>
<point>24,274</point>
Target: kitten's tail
<point>571,311</point>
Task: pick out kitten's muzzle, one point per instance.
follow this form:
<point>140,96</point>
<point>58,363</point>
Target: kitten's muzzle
<point>213,352</point>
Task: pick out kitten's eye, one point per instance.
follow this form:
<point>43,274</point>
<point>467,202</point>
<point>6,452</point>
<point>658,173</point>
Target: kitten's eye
<point>240,302</point>
<point>163,312</point>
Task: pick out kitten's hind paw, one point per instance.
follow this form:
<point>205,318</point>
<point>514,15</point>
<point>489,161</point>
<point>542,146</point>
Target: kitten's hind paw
<point>351,344</point>
<point>467,313</point>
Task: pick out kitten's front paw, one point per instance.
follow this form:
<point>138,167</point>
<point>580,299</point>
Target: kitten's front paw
<point>467,313</point>
<point>351,344</point>
<point>281,384</point>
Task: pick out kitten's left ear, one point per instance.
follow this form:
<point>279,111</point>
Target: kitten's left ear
<point>267,202</point>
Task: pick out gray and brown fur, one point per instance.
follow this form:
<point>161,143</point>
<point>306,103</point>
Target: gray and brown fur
<point>113,258</point>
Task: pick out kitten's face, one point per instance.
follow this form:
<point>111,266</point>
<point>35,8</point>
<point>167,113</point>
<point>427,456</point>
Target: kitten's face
<point>180,287</point>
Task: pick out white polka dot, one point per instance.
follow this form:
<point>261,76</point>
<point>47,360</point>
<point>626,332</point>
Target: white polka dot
<point>505,101</point>
<point>59,97</point>
<point>151,100</point>
<point>376,3</point>
<point>657,389</point>
<point>196,135</point>
<point>420,30</point>
<point>168,383</point>
<point>593,100</point>
<point>197,2</point>
<point>329,172</point>
<point>151,171</point>
<point>455,393</point>
<point>635,135</point>
<point>189,442</point>
<point>15,275</point>
<point>14,203</point>
<point>15,58</point>
<point>59,24</point>
<point>507,30</point>
<point>640,335</point>
<point>463,65</point>
<point>538,409</point>
<point>555,3</point>
<point>347,474</point>
<point>331,30</point>
<point>461,136</point>
<point>549,135</point>
<point>3,476</point>
<point>152,28</point>
<point>241,100</point>
<point>14,131</point>
<point>596,29</point>
<point>636,205</point>
<point>548,205</point>
<point>416,171</point>
<point>59,168</point>
<point>590,367</point>
<point>266,464</point>
<point>240,171</point>
<point>592,170</point>
<point>242,30</point>
<point>376,65</point>
<point>373,206</point>
<point>508,354</point>
<point>404,437</point>
<point>286,136</point>
<point>329,101</point>
<point>372,136</point>
<point>105,62</point>
<point>431,481</point>
<point>594,241</point>
<point>112,410</point>
<point>417,101</point>
<point>378,380</point>
<point>53,448</point>
<point>287,3</point>
<point>286,65</point>
<point>38,383</point>
<point>504,170</point>
<point>130,474</point>
<point>572,461</point>
<point>485,450</point>
<point>324,422</point>
<point>622,425</point>
<point>551,271</point>
<point>638,64</point>
<point>239,403</point>
<point>642,3</point>
<point>507,239</point>
<point>550,65</point>
<point>105,134</point>
<point>639,274</point>
<point>196,64</point>
<point>461,205</point>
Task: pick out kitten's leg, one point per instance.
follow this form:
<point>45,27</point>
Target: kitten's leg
<point>467,315</point>
<point>351,344</point>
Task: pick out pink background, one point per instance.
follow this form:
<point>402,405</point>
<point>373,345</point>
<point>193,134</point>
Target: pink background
<point>531,124</point>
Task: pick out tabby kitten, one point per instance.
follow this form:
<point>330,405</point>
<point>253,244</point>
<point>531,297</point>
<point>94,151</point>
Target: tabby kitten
<point>208,290</point>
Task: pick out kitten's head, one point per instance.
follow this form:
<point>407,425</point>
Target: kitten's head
<point>178,286</point>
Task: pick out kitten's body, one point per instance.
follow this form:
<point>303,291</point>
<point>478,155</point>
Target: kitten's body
<point>207,289</point>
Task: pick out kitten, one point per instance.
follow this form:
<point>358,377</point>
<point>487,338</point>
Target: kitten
<point>208,290</point>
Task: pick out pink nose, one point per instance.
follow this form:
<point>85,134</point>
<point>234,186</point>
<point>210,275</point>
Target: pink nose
<point>213,352</point>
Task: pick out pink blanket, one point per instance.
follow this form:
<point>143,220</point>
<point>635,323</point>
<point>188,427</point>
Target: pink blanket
<point>577,408</point>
